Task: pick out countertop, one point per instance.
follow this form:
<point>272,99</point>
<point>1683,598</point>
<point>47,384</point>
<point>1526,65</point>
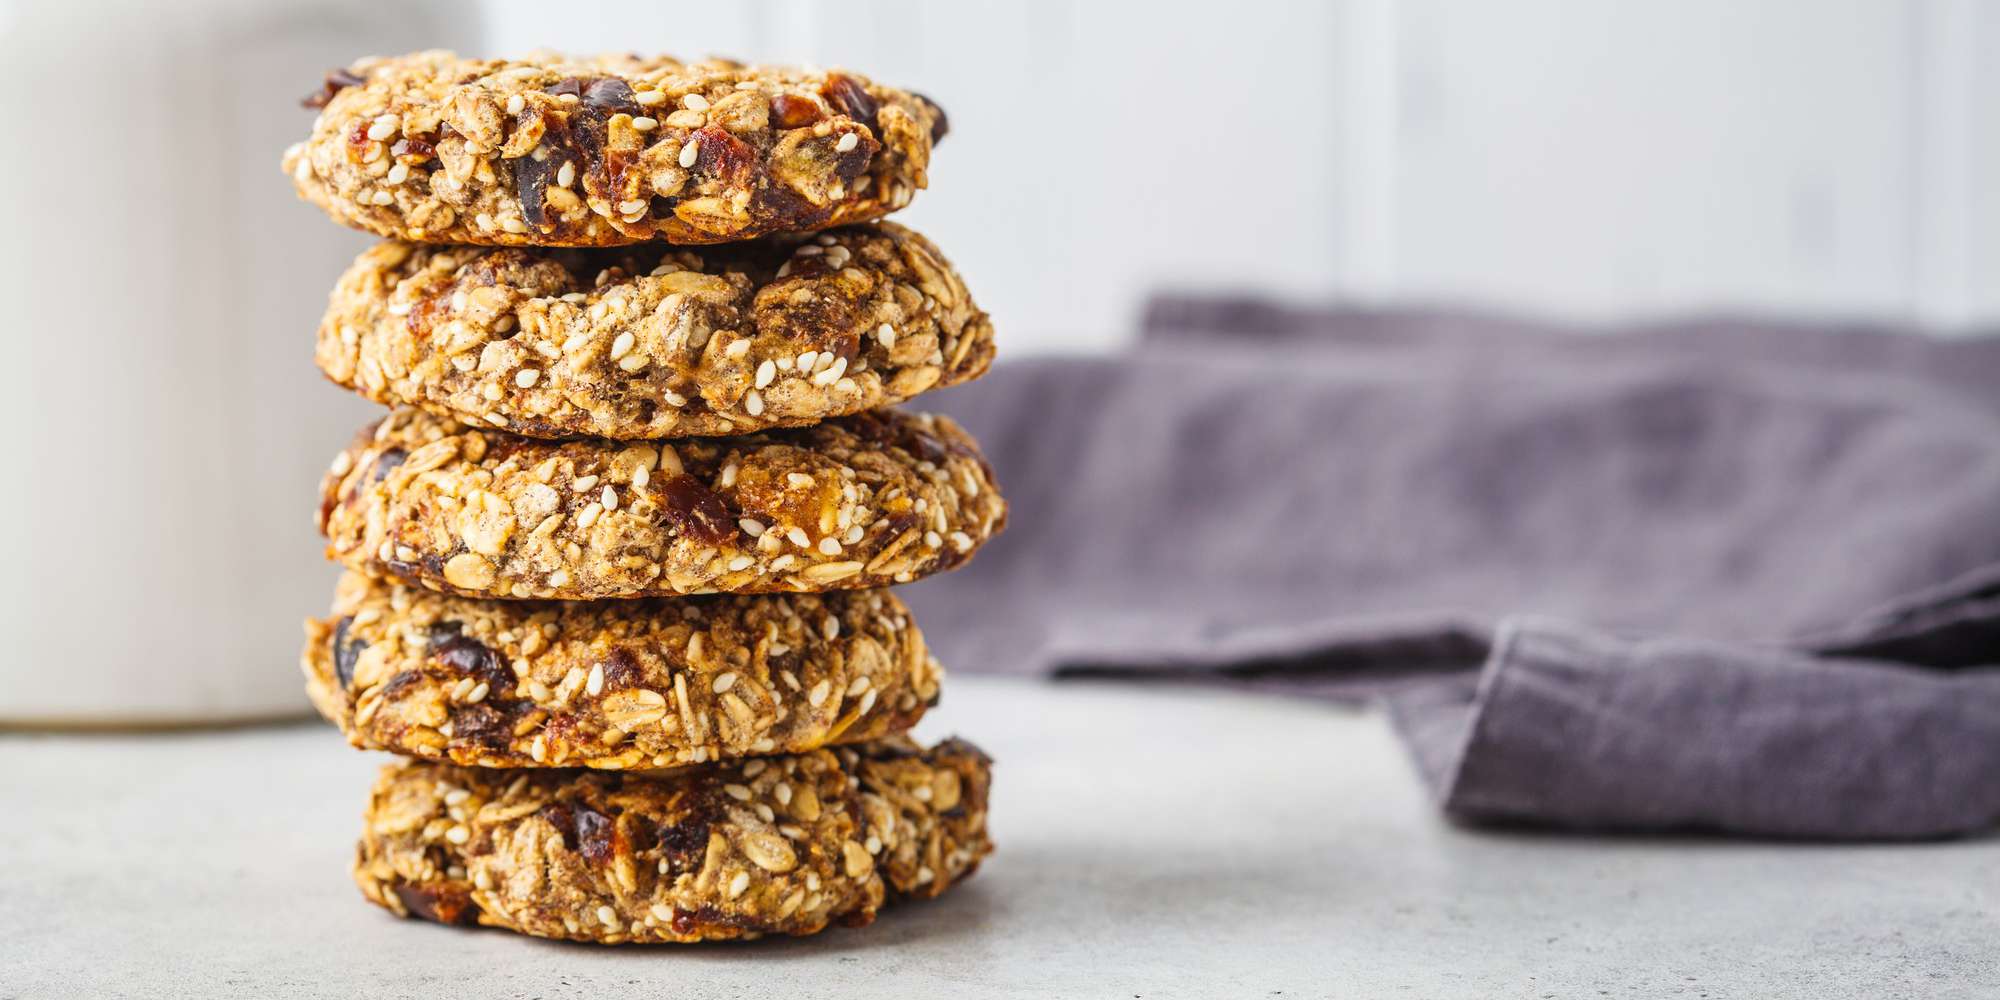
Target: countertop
<point>1154,842</point>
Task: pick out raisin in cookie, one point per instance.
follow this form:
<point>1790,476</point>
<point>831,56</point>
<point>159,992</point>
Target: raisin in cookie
<point>655,341</point>
<point>605,151</point>
<point>654,683</point>
<point>856,502</point>
<point>779,845</point>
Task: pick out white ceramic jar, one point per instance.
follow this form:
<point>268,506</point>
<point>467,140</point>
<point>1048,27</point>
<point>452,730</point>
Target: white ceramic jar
<point>165,427</point>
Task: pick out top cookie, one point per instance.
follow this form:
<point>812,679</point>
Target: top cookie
<point>606,151</point>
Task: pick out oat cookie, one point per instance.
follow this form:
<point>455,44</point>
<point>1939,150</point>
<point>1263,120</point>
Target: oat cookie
<point>863,501</point>
<point>777,845</point>
<point>608,150</point>
<point>655,341</point>
<point>655,683</point>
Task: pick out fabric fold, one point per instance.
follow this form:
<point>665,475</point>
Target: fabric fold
<point>1572,728</point>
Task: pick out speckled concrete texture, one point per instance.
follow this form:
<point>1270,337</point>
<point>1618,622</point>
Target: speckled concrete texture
<point>1152,843</point>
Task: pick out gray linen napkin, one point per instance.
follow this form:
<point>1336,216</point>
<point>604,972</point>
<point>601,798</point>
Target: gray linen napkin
<point>1718,575</point>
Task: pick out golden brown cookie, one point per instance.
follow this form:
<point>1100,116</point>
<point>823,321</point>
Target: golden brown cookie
<point>655,341</point>
<point>863,501</point>
<point>608,150</point>
<point>778,845</point>
<point>654,683</point>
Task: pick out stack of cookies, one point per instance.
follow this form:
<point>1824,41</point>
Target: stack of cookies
<point>616,555</point>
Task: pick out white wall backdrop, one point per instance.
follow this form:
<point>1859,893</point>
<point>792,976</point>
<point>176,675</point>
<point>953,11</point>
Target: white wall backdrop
<point>1585,158</point>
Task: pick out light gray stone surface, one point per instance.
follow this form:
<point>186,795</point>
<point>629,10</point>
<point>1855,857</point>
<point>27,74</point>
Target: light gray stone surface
<point>1153,843</point>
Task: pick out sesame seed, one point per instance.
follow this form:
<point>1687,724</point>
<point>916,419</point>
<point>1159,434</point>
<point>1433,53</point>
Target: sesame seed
<point>873,844</point>
<point>798,480</point>
<point>782,563</point>
<point>740,563</point>
<point>594,684</point>
<point>621,345</point>
<point>829,546</point>
<point>859,684</point>
<point>798,536</point>
<point>631,207</point>
<point>695,102</point>
<point>847,142</point>
<point>607,915</point>
<point>384,127</point>
<point>751,526</point>
<point>565,174</point>
<point>689,152</point>
<point>527,377</point>
<point>640,477</point>
<point>723,683</point>
<point>806,360</point>
<point>673,398</point>
<point>961,541</point>
<point>398,173</point>
<point>458,834</point>
<point>738,884</point>
<point>515,104</point>
<point>648,98</point>
<point>382,198</point>
<point>753,402</point>
<point>737,792</point>
<point>728,477</point>
<point>737,348</point>
<point>766,373</point>
<point>645,123</point>
<point>783,793</point>
<point>477,694</point>
<point>634,362</point>
<point>868,701</point>
<point>887,335</point>
<point>588,516</point>
<point>817,695</point>
<point>584,484</point>
<point>932,540</point>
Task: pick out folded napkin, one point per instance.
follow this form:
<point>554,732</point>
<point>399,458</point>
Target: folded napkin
<point>1720,576</point>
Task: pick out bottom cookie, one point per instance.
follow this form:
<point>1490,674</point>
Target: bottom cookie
<point>773,845</point>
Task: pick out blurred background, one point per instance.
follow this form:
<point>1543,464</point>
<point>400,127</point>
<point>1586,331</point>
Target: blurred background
<point>1574,160</point>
